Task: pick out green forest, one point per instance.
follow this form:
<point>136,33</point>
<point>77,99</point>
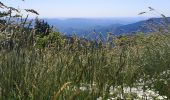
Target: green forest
<point>39,63</point>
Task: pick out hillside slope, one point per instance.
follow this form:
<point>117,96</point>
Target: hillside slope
<point>142,26</point>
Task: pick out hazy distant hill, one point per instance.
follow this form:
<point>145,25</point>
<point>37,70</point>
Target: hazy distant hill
<point>91,28</point>
<point>141,26</point>
<point>84,26</point>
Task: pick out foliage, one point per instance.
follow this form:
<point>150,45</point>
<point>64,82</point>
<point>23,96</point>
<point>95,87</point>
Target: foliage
<point>49,66</point>
<point>52,40</point>
<point>40,70</point>
<point>42,28</point>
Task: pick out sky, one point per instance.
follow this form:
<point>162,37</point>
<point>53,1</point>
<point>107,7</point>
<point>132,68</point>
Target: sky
<point>91,8</point>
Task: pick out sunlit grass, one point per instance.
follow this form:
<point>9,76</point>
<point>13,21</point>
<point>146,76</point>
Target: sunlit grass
<point>61,72</point>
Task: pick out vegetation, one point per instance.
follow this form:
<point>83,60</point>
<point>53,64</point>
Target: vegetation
<point>42,67</point>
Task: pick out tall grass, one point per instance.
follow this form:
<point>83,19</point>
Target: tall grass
<point>52,73</point>
<point>52,67</point>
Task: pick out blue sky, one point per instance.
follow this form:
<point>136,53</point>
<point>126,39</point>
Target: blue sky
<point>91,8</point>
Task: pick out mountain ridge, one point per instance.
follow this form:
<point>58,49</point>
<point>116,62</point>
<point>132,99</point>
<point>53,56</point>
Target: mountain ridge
<point>83,27</point>
<point>141,26</point>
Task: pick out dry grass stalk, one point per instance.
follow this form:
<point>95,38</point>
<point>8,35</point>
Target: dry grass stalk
<point>58,93</point>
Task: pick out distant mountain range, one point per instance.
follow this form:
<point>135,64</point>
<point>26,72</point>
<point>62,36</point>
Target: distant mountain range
<point>84,25</point>
<point>93,27</point>
<point>143,26</point>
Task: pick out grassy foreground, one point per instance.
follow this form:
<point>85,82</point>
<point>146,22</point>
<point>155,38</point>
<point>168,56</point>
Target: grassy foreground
<point>36,68</point>
<point>39,64</point>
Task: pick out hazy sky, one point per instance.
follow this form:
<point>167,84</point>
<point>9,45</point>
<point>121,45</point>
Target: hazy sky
<point>91,8</point>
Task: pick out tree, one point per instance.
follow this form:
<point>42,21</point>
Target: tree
<point>42,28</point>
